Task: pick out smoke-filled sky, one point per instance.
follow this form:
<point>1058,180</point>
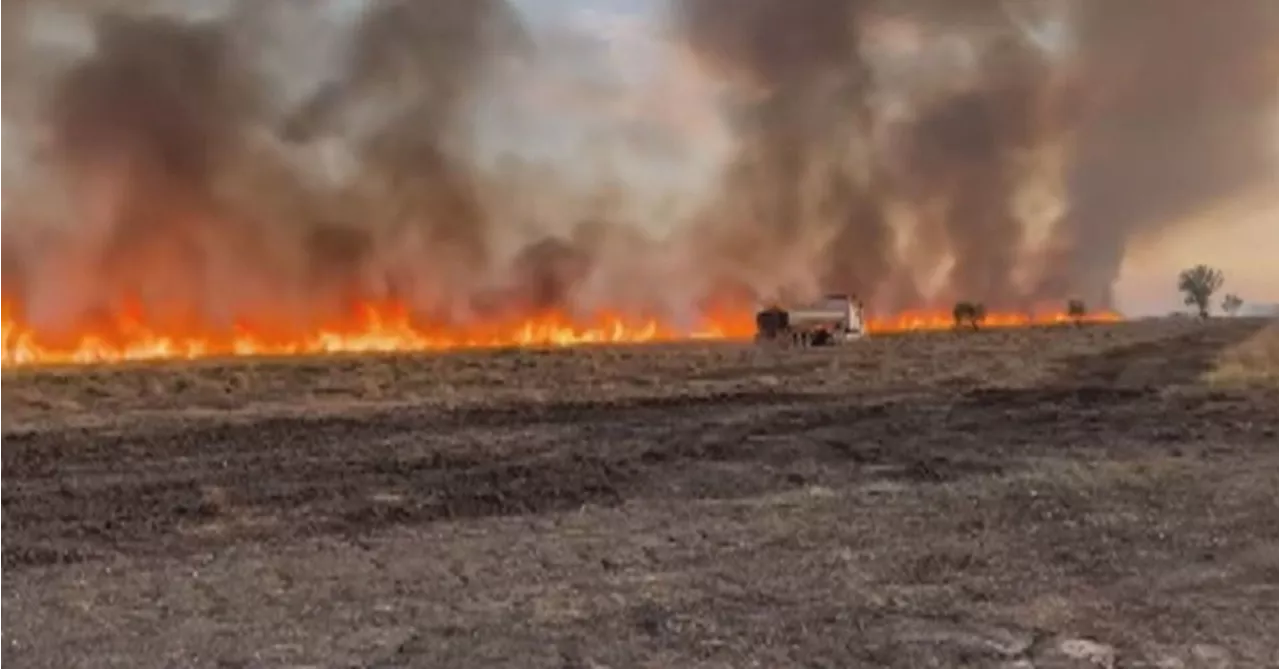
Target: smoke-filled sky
<point>1238,234</point>
<point>472,157</point>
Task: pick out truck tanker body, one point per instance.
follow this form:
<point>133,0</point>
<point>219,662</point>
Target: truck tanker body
<point>834,319</point>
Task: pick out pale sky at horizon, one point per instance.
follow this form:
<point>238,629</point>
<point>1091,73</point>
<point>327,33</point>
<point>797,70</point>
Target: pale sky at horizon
<point>1241,241</point>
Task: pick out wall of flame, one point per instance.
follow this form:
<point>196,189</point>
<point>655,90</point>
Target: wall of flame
<point>128,335</point>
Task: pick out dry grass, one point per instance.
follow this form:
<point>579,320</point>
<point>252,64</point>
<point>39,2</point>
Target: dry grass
<point>1255,360</point>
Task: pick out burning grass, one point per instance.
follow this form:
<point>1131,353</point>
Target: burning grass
<point>348,381</point>
<point>130,334</point>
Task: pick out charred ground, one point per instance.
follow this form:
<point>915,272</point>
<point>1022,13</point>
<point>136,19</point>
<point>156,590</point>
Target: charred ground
<point>949,498</point>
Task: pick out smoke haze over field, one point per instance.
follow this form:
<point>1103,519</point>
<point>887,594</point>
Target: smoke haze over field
<point>277,159</point>
<point>1098,122</point>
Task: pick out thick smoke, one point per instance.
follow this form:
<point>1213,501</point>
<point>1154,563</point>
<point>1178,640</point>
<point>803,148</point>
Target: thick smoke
<point>971,154</point>
<point>267,162</point>
<point>139,142</point>
<point>1133,115</point>
<point>279,161</point>
<point>193,197</point>
<point>798,212</point>
<point>1178,113</point>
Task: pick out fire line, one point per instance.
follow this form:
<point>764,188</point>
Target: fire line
<point>388,329</point>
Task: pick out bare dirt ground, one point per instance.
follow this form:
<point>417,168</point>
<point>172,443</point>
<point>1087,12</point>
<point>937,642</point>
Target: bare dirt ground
<point>1032,498</point>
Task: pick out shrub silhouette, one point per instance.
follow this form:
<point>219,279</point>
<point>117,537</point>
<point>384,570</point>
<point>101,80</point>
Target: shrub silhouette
<point>969,313</point>
<point>1199,283</point>
<point>1076,311</point>
<point>1231,304</point>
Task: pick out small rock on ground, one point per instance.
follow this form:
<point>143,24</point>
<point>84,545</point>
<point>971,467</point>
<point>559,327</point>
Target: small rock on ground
<point>1076,654</point>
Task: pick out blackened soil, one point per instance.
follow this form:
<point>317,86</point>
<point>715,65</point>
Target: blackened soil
<point>170,491</point>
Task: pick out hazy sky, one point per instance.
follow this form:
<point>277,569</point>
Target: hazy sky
<point>1241,240</point>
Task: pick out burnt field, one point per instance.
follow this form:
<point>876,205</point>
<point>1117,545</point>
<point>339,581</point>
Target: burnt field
<point>1001,498</point>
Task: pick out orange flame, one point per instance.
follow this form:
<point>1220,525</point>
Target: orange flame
<point>372,328</point>
<point>127,334</point>
<point>940,320</point>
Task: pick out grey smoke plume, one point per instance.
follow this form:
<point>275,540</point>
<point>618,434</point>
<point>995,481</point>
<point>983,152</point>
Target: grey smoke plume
<point>139,131</point>
<point>277,161</point>
<point>1178,113</point>
<point>189,194</point>
<point>1142,112</point>
<point>797,214</point>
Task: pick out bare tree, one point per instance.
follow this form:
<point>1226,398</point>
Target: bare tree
<point>1199,284</point>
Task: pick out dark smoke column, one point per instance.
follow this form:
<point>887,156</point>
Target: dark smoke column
<point>972,151</point>
<point>415,66</point>
<point>798,201</point>
<point>139,131</point>
<point>186,194</point>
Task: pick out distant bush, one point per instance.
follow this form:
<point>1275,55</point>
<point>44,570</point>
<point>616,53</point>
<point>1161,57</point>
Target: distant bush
<point>1231,304</point>
<point>971,314</point>
<point>1076,311</point>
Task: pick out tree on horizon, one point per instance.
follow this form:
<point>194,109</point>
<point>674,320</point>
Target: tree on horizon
<point>1199,283</point>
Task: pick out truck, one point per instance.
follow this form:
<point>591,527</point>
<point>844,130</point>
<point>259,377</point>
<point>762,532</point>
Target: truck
<point>833,319</point>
